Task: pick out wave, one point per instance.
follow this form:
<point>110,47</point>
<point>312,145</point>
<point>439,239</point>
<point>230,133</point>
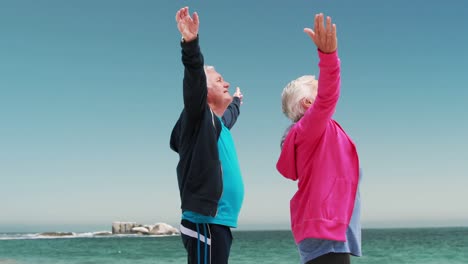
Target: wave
<point>68,235</point>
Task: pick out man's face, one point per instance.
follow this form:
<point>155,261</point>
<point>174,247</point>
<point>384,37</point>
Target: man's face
<point>218,88</point>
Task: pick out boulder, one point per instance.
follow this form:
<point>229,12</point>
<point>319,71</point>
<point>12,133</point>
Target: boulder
<point>140,230</point>
<point>122,227</point>
<point>163,229</point>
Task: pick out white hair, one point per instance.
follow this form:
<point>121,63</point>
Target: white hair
<point>208,67</point>
<point>294,92</point>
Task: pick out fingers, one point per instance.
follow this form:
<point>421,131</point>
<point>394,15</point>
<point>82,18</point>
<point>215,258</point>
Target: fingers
<point>334,30</point>
<point>317,24</point>
<point>239,94</point>
<point>181,13</point>
<point>196,20</point>
<point>323,31</point>
<point>177,16</point>
<point>311,33</point>
<point>319,30</point>
<point>328,37</point>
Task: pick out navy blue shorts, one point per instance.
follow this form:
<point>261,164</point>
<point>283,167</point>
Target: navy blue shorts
<point>206,243</point>
<point>332,258</point>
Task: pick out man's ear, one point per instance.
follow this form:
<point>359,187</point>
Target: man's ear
<point>306,103</point>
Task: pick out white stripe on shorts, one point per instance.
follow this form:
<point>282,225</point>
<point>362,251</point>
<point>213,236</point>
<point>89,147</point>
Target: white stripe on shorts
<point>194,234</point>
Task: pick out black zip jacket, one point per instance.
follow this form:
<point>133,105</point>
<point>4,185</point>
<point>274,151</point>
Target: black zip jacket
<point>195,138</point>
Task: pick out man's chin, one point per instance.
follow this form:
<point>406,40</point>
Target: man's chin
<point>228,99</point>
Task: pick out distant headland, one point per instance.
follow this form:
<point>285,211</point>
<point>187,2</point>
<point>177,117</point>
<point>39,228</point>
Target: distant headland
<point>121,228</point>
<point>134,228</point>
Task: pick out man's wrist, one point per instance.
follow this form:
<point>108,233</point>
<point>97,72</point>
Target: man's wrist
<point>185,39</point>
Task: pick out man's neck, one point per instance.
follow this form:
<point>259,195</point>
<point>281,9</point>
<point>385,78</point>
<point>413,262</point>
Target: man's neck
<point>218,111</point>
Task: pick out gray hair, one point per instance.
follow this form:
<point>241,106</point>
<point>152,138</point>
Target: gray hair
<point>294,92</point>
<point>208,67</point>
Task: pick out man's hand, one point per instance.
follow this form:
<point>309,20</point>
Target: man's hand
<point>187,25</point>
<point>238,94</point>
<point>323,37</point>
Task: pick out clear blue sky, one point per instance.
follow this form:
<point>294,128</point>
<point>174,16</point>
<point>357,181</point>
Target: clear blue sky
<point>90,90</point>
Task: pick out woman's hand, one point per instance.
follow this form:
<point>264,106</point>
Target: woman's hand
<point>323,37</point>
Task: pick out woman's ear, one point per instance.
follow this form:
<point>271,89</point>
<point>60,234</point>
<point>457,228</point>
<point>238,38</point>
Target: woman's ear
<point>306,103</point>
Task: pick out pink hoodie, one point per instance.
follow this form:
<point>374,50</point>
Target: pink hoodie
<point>319,154</point>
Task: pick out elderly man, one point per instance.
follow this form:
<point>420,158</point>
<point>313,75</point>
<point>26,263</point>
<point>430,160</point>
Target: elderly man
<point>208,172</point>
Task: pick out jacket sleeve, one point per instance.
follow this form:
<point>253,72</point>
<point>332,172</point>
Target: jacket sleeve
<point>231,113</point>
<point>195,91</point>
<point>312,125</point>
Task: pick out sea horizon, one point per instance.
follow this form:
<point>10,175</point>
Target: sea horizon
<point>80,229</point>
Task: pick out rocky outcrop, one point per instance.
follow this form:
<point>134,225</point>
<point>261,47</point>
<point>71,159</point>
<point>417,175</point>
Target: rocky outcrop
<point>123,227</point>
<point>160,229</point>
<point>163,229</point>
<point>140,230</point>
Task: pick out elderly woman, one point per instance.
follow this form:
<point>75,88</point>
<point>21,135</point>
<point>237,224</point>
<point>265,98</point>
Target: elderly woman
<point>317,152</point>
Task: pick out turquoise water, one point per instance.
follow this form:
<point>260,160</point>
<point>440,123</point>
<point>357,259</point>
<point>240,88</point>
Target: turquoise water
<point>411,246</point>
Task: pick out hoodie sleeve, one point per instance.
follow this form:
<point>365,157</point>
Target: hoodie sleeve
<point>312,125</point>
<point>195,91</point>
<point>231,113</point>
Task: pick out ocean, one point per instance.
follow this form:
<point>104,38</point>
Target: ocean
<point>380,246</point>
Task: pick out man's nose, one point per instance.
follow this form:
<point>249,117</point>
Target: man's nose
<point>226,85</point>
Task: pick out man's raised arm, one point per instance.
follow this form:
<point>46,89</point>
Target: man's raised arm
<point>195,91</point>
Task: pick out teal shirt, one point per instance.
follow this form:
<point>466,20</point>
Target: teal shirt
<point>233,187</point>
